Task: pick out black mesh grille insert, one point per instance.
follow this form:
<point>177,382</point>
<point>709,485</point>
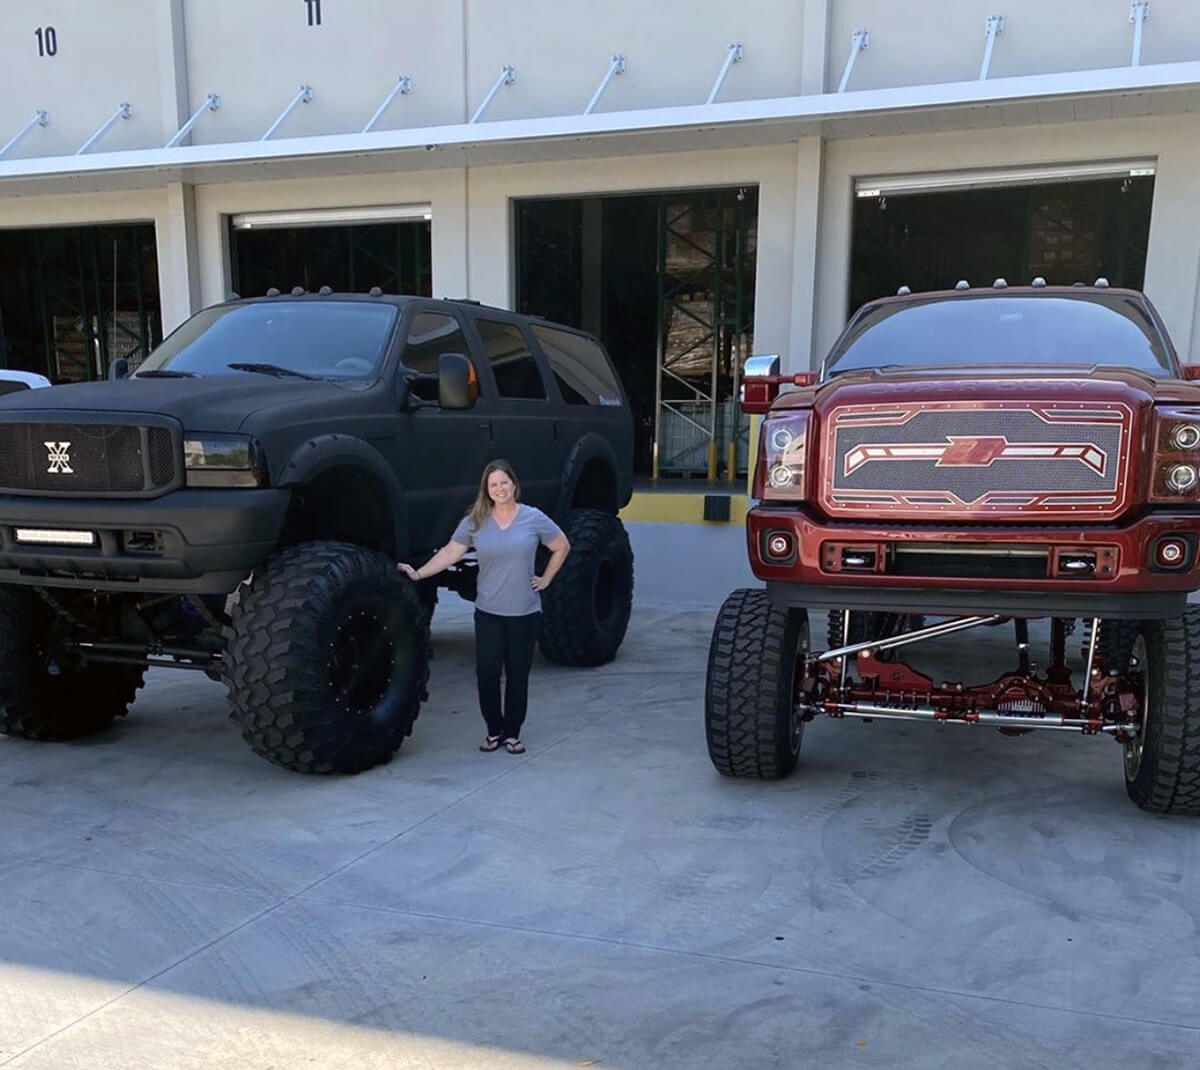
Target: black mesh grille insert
<point>162,457</point>
<point>82,458</point>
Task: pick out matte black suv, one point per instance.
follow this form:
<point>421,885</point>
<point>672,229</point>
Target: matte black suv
<point>238,504</point>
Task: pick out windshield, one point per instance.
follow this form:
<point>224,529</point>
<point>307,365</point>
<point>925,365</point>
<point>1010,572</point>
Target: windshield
<point>319,339</point>
<point>991,330</point>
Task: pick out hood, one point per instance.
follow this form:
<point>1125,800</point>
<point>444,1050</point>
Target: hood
<point>908,384</point>
<point>211,403</point>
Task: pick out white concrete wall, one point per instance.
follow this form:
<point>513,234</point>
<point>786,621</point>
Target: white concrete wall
<point>929,41</point>
<point>674,48</point>
<point>255,55</point>
<point>107,55</point>
<point>1172,264</point>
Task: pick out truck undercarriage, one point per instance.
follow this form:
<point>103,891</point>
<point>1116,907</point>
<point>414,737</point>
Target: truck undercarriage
<point>863,680</point>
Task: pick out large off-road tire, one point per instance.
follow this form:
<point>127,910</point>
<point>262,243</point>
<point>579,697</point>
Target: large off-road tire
<point>585,611</point>
<point>750,717</point>
<point>1162,766</point>
<point>327,664</point>
<point>43,699</point>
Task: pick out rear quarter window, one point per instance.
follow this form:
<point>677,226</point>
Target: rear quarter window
<point>582,370</point>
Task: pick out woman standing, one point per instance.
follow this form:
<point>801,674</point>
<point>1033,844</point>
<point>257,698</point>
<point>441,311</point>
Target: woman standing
<point>508,605</point>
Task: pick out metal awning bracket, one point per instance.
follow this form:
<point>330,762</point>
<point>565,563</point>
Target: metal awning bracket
<point>615,67</point>
<point>860,41</point>
<point>993,29</point>
<point>508,75</point>
<point>1139,12</point>
<point>403,85</point>
<point>124,111</point>
<point>40,118</point>
<point>211,103</point>
<point>733,54</point>
<point>302,97</point>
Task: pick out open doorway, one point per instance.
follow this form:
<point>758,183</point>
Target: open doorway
<point>269,251</point>
<point>73,299</point>
<point>666,281</point>
<point>1066,232</point>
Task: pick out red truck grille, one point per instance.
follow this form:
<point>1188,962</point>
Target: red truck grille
<point>1045,460</point>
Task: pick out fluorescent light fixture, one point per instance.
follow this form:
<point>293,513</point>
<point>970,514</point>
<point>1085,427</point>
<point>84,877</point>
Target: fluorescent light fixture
<point>54,537</point>
<point>325,217</point>
<point>992,178</point>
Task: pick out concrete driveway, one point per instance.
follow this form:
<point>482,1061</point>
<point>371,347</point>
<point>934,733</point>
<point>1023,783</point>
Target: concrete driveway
<point>912,897</point>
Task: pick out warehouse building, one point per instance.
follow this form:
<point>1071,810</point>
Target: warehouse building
<point>694,182</point>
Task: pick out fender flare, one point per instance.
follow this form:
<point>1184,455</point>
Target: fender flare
<point>325,452</point>
<point>590,447</point>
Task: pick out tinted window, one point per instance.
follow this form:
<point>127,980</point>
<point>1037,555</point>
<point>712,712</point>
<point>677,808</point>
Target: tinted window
<point>330,339</point>
<point>429,336</point>
<point>513,365</point>
<point>580,366</point>
<point>1002,331</point>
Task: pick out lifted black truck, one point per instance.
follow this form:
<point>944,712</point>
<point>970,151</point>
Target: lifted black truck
<point>237,506</point>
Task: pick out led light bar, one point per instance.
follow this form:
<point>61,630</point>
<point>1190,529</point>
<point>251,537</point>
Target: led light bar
<point>54,537</point>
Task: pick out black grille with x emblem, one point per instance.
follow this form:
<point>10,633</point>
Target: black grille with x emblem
<point>82,458</point>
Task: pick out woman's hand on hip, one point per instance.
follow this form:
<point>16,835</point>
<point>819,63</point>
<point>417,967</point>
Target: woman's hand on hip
<point>540,583</point>
<point>409,571</point>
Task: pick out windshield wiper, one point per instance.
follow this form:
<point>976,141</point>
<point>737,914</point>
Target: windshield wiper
<point>272,369</point>
<point>163,373</point>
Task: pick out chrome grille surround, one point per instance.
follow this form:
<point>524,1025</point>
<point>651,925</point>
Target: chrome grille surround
<point>988,459</point>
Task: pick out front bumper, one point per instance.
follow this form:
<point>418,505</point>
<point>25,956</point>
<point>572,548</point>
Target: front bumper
<point>188,541</point>
<point>1008,570</point>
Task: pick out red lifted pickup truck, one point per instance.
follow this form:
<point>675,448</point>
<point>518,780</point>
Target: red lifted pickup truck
<point>966,459</point>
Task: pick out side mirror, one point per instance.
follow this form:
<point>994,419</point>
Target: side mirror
<point>1191,371</point>
<point>458,383</point>
<point>761,382</point>
<point>118,369</point>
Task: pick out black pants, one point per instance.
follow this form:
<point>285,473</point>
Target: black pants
<point>504,644</point>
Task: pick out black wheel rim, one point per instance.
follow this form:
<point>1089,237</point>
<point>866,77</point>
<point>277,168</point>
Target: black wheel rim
<point>362,661</point>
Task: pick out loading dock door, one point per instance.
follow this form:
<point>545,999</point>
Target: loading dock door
<point>347,249</point>
<point>73,299</point>
<point>1066,224</point>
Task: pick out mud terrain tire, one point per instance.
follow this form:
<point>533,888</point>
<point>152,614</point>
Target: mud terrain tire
<point>38,704</point>
<point>1163,774</point>
<point>749,696</point>
<point>327,664</point>
<point>585,611</point>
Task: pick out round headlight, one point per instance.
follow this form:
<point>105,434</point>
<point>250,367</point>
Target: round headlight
<point>1182,477</point>
<point>781,476</point>
<point>781,438</point>
<point>1186,436</point>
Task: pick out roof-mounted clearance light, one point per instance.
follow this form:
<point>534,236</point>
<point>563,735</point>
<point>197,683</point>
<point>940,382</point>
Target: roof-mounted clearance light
<point>962,284</point>
<point>1038,283</point>
<point>1101,283</point>
<point>1000,284</point>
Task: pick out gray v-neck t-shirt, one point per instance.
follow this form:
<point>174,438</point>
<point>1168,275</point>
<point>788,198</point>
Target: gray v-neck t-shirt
<point>506,560</point>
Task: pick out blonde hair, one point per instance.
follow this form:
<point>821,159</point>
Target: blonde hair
<point>481,509</point>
